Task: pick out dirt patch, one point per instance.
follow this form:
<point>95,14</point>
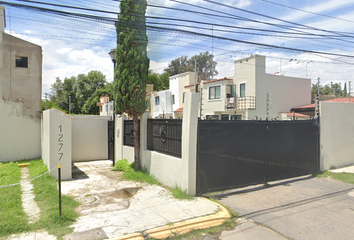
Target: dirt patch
<point>28,203</point>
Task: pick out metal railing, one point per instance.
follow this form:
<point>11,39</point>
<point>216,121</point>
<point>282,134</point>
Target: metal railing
<point>240,103</point>
<point>165,136</point>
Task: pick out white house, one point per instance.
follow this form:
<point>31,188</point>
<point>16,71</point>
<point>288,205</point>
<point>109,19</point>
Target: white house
<point>244,96</point>
<point>20,96</point>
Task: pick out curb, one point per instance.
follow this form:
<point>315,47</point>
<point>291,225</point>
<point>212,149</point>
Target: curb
<point>183,227</point>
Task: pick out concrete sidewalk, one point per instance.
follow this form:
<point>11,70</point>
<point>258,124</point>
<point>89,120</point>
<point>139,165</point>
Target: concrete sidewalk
<point>112,207</point>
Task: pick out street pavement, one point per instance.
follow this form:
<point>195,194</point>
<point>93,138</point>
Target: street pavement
<point>300,208</point>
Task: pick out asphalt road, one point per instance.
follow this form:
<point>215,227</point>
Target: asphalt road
<point>301,208</point>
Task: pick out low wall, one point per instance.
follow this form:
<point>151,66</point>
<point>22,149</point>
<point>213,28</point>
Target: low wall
<point>336,134</point>
<point>169,170</point>
<point>90,138</point>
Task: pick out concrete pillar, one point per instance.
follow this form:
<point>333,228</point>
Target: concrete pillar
<point>119,137</point>
<point>189,143</point>
<point>57,142</point>
<point>145,155</point>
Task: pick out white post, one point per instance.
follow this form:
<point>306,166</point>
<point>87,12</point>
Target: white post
<point>119,135</point>
<point>189,143</point>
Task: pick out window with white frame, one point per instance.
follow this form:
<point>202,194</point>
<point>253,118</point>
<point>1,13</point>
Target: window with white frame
<point>173,99</point>
<point>184,97</point>
<point>157,100</point>
<point>214,92</point>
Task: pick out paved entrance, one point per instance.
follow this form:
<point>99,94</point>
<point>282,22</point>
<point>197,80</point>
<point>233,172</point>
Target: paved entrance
<point>301,208</point>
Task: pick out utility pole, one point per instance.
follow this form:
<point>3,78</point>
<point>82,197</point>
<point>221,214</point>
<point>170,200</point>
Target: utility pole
<point>69,104</point>
<point>268,106</point>
<point>317,100</point>
<point>212,51</point>
<point>195,75</point>
<point>201,103</point>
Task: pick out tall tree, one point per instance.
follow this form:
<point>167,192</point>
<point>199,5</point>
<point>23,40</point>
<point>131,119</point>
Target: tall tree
<point>79,88</point>
<point>205,64</point>
<point>160,81</point>
<point>131,72</point>
<point>345,90</point>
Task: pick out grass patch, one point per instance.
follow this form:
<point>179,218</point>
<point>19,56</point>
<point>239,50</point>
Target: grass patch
<point>178,193</point>
<point>45,189</point>
<point>144,176</point>
<point>344,177</point>
<point>322,174</point>
<point>14,220</point>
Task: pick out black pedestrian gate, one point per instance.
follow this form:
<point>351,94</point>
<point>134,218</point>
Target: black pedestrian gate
<point>235,154</point>
<point>111,141</point>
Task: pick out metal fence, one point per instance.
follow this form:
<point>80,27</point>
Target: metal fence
<point>240,153</point>
<point>165,136</point>
<point>128,139</point>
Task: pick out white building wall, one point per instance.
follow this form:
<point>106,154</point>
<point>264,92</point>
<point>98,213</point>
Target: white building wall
<point>174,88</point>
<point>165,104</point>
<point>336,134</point>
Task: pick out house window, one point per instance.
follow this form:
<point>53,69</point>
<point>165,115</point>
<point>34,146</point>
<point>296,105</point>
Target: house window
<point>22,62</point>
<point>230,91</point>
<point>243,90</point>
<point>101,108</point>
<point>214,92</point>
<point>157,100</point>
<point>184,97</point>
<point>173,99</point>
<point>111,106</point>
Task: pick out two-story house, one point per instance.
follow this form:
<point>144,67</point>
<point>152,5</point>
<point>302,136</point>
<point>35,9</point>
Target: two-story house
<point>252,93</point>
<point>20,96</point>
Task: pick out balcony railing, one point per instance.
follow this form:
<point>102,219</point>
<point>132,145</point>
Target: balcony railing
<point>240,103</point>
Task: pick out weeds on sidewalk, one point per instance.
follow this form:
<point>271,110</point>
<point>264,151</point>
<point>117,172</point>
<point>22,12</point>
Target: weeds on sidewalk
<point>144,176</point>
<point>14,220</point>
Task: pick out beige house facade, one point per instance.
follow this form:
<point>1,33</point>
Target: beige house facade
<point>20,96</point>
<point>244,95</point>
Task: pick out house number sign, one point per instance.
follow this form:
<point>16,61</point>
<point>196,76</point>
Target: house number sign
<point>60,142</point>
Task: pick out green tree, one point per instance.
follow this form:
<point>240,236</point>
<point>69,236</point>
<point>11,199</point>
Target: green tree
<point>79,88</point>
<point>51,105</point>
<point>179,65</point>
<point>90,106</point>
<point>205,64</point>
<point>160,81</point>
<point>345,90</point>
<point>131,72</point>
<point>61,91</point>
<point>87,85</point>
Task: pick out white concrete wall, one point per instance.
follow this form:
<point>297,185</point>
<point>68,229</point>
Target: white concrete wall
<point>57,142</point>
<point>90,138</point>
<point>336,134</point>
<point>20,136</point>
<point>169,170</point>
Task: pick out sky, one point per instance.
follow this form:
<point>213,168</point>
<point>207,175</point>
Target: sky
<point>312,39</point>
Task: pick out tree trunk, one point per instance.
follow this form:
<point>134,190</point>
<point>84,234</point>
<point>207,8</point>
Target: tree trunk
<point>136,142</point>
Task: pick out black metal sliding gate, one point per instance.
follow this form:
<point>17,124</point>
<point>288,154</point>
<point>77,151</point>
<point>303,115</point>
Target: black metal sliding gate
<point>235,154</point>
